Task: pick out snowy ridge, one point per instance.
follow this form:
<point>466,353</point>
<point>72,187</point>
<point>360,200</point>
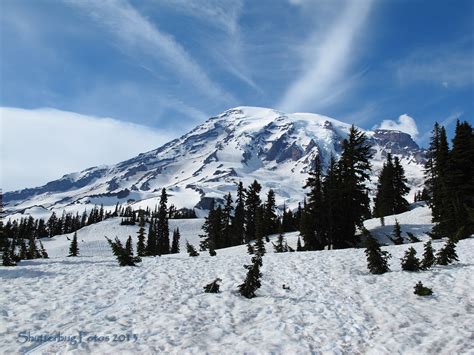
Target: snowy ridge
<point>241,144</point>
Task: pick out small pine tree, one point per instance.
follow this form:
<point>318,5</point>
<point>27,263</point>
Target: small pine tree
<point>299,247</point>
<point>447,254</point>
<point>73,248</point>
<point>23,251</point>
<point>259,246</point>
<point>428,256</point>
<point>377,260</point>
<point>8,259</point>
<point>32,252</point>
<point>410,262</point>
<point>421,290</point>
<point>191,250</point>
<point>124,255</point>
<point>413,238</point>
<point>175,242</point>
<point>44,253</point>
<point>129,246</point>
<point>397,234</point>
<point>281,246</point>
<point>213,287</point>
<point>250,249</point>
<point>252,280</point>
<point>141,246</point>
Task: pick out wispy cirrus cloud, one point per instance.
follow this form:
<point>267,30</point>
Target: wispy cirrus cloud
<point>139,36</point>
<point>449,65</point>
<point>330,56</point>
<point>223,15</point>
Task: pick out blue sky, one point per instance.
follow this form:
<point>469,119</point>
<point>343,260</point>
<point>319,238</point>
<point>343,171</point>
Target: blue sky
<point>170,64</point>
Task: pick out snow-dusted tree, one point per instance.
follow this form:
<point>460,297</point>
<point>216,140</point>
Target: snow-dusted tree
<point>410,262</point>
<point>252,280</point>
<point>447,254</point>
<point>428,256</point>
<point>73,248</point>
<point>377,260</point>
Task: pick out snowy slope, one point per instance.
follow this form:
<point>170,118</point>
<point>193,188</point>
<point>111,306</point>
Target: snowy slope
<point>242,144</point>
<point>334,306</point>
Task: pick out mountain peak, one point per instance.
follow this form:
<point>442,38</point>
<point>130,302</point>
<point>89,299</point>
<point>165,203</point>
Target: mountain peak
<point>241,144</point>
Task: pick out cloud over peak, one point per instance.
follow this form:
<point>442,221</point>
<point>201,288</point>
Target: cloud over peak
<point>404,124</point>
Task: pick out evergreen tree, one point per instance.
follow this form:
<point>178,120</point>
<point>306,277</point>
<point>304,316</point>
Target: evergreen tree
<point>400,186</point>
<point>410,262</point>
<point>437,181</point>
<point>152,244</point>
<point>385,196</point>
<point>252,280</point>
<point>141,247</point>
<point>238,223</point>
<point>8,259</point>
<point>354,169</point>
<point>259,230</point>
<point>44,253</point>
<point>163,233</point>
<point>191,250</point>
<point>73,248</point>
<point>213,228</point>
<point>460,184</point>
<point>23,251</point>
<point>269,215</point>
<point>312,223</point>
<point>213,287</point>
<point>421,290</point>
<point>377,260</point>
<point>33,252</point>
<point>123,254</point>
<point>227,239</point>
<point>281,246</point>
<point>299,247</point>
<point>250,249</point>
<point>447,254</point>
<point>397,238</point>
<point>129,246</point>
<point>252,204</point>
<point>333,207</point>
<point>428,256</point>
<point>175,242</point>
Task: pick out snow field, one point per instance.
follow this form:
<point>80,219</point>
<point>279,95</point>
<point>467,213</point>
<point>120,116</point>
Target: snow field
<point>334,306</point>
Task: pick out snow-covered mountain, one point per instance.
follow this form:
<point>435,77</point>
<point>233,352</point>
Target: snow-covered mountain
<point>241,144</point>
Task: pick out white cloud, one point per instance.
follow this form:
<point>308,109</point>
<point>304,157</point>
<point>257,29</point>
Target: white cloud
<point>327,61</point>
<point>41,145</point>
<point>139,37</point>
<point>404,123</point>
